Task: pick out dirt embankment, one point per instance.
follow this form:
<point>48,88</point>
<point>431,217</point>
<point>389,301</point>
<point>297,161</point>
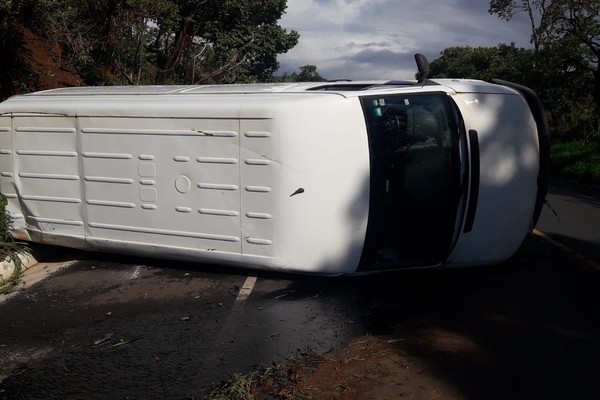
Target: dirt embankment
<point>49,63</point>
<point>38,64</point>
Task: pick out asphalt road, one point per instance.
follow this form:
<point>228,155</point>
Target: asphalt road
<point>108,326</point>
<point>572,216</point>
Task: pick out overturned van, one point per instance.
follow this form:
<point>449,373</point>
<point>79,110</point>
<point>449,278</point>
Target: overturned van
<point>329,177</point>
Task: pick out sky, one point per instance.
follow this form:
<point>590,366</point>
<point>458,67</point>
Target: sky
<point>377,39</point>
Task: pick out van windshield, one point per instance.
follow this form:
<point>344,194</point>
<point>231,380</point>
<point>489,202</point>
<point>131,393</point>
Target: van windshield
<point>415,179</point>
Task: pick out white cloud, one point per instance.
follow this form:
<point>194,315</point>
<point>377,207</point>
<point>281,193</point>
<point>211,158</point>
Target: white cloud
<point>376,39</point>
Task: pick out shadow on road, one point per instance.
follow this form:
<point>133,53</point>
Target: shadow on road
<point>526,329</point>
<point>589,195</point>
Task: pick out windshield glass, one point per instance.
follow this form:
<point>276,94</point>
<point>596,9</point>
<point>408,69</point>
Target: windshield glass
<point>415,179</point>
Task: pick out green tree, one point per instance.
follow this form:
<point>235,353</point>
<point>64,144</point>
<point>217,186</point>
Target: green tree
<point>564,91</point>
<point>565,33</point>
<point>162,41</point>
<point>535,11</point>
<point>132,41</point>
<point>226,41</point>
<point>308,73</point>
<point>486,63</point>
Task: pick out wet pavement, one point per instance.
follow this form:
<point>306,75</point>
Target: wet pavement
<point>109,326</point>
<point>101,326</point>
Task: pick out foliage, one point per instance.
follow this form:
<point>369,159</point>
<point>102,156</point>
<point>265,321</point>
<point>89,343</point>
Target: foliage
<point>579,160</point>
<point>504,62</point>
<point>160,41</point>
<point>566,33</point>
<point>9,249</point>
<point>11,56</point>
<point>535,10</point>
<point>564,91</point>
<point>275,381</point>
<point>308,73</point>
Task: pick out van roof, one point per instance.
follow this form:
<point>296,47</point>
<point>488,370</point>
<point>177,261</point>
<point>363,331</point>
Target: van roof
<point>340,86</point>
<point>346,88</point>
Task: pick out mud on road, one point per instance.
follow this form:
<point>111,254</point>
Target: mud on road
<point>115,327</point>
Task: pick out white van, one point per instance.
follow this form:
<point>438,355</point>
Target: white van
<point>328,178</point>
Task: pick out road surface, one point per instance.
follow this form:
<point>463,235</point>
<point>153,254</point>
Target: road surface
<point>108,326</point>
<point>572,216</point>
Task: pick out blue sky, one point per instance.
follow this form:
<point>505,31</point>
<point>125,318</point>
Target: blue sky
<point>377,39</point>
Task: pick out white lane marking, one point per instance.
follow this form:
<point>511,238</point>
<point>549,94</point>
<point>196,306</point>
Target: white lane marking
<point>246,289</point>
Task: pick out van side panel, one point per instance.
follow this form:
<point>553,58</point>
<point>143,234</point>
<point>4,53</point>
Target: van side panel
<point>47,179</point>
<point>324,195</point>
<point>7,177</point>
<point>305,178</point>
<point>274,182</point>
<point>173,182</point>
<point>260,166</point>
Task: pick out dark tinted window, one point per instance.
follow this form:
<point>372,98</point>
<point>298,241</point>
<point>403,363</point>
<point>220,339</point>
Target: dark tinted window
<point>415,179</point>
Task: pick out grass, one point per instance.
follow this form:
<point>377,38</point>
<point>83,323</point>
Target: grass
<point>578,160</point>
<point>239,387</point>
<point>274,382</point>
<point>9,249</point>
